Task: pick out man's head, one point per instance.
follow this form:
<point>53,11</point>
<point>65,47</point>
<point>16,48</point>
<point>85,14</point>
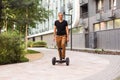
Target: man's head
<point>60,16</point>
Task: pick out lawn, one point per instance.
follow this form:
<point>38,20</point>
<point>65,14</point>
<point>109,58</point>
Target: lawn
<point>33,55</point>
<point>32,52</point>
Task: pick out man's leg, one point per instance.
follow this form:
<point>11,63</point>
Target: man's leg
<point>58,42</point>
<point>63,44</point>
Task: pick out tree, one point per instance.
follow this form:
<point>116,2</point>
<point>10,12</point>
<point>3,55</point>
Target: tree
<point>23,14</point>
<point>0,13</point>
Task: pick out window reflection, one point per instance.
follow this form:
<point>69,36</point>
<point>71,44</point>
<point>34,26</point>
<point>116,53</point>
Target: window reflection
<point>103,26</point>
<point>113,4</point>
<point>97,27</point>
<point>117,23</point>
<point>99,5</point>
<point>110,24</point>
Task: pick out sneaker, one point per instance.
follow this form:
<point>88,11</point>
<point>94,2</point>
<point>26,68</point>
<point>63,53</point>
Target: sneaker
<point>63,58</point>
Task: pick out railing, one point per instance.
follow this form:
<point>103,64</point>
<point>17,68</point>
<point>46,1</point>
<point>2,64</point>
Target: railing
<point>100,10</point>
<point>84,15</point>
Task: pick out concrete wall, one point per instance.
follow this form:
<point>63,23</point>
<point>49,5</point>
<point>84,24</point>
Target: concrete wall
<point>49,39</point>
<point>109,39</point>
<point>104,38</point>
<point>38,38</point>
<point>78,41</point>
<point>30,39</point>
<point>118,4</point>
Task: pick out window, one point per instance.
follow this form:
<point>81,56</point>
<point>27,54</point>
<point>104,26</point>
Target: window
<point>110,24</point>
<point>112,4</point>
<point>97,27</point>
<point>78,30</point>
<point>84,11</point>
<point>113,24</point>
<point>103,26</point>
<point>100,26</point>
<point>81,30</point>
<point>99,5</point>
<point>117,23</point>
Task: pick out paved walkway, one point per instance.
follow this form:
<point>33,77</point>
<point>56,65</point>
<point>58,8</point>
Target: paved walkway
<point>83,66</point>
<point>34,57</point>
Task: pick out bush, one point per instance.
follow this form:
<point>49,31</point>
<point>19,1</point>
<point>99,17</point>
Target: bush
<point>37,44</point>
<point>11,50</point>
<point>30,44</point>
<point>32,52</point>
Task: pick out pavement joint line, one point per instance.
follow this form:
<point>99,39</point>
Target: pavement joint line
<point>83,66</point>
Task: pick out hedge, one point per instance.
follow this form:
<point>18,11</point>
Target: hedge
<point>37,44</point>
<point>11,50</point>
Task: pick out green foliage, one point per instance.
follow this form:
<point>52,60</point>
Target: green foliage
<point>11,50</point>
<point>99,50</point>
<point>14,13</point>
<point>24,59</point>
<point>30,43</point>
<point>32,52</point>
<point>37,44</point>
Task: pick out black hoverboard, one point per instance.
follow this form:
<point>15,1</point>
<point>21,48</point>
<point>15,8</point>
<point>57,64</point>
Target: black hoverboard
<point>67,60</point>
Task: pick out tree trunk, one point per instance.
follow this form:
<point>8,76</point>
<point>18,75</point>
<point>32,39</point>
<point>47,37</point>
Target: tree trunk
<point>0,29</point>
<point>26,30</point>
<point>26,34</point>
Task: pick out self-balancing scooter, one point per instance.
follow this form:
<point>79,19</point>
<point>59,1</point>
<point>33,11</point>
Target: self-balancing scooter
<point>67,60</point>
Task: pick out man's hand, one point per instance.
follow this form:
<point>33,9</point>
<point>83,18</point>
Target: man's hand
<point>67,31</point>
<point>67,39</point>
<point>54,39</point>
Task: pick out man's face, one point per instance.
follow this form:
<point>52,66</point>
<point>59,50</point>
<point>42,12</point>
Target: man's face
<point>60,15</point>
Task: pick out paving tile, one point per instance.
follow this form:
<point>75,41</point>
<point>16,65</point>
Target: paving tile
<point>83,66</point>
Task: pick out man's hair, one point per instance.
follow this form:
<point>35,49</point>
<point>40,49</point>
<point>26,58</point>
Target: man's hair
<point>60,13</point>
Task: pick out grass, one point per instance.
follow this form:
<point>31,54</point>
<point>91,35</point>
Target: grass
<point>32,55</point>
<point>24,59</point>
<point>32,52</point>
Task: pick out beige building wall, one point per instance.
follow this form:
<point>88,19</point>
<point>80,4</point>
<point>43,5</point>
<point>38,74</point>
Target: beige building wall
<point>49,39</point>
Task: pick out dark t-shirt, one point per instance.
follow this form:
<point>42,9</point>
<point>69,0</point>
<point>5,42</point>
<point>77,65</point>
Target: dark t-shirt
<point>61,27</point>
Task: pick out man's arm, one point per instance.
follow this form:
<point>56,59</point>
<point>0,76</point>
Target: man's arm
<point>67,32</point>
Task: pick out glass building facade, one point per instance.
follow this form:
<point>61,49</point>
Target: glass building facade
<point>96,23</point>
<point>55,6</point>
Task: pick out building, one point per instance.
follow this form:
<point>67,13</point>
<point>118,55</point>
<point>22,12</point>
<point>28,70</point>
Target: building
<point>96,23</point>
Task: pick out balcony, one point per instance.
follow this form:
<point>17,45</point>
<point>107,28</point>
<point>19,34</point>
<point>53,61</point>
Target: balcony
<point>84,15</point>
<point>84,11</point>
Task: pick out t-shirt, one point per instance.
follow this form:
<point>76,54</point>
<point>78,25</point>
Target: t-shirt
<point>61,27</point>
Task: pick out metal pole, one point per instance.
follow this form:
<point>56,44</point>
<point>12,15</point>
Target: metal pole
<point>48,14</point>
<point>71,32</point>
<point>88,24</point>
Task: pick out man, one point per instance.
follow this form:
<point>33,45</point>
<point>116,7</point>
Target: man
<point>61,34</point>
